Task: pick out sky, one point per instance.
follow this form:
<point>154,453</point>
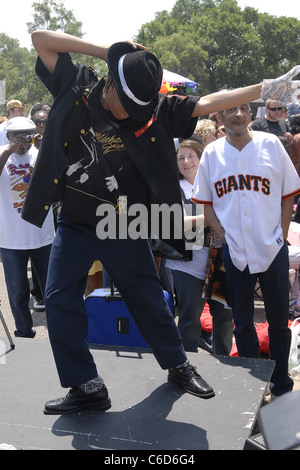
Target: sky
<point>122,19</point>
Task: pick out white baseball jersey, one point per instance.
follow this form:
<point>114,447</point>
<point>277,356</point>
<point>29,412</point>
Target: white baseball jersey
<point>246,189</point>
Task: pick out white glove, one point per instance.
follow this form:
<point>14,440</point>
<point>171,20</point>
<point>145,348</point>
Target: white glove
<point>283,88</point>
<point>111,183</point>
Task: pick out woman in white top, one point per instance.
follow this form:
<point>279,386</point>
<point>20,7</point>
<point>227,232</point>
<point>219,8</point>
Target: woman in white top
<point>189,276</point>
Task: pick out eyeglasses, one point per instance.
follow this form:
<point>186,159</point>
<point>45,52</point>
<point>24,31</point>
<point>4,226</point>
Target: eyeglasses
<point>276,109</point>
<point>38,122</point>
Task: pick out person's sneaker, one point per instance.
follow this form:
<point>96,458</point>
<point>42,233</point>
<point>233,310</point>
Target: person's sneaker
<point>38,306</point>
<point>77,399</point>
<point>188,378</point>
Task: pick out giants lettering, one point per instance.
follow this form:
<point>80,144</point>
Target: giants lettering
<point>243,182</point>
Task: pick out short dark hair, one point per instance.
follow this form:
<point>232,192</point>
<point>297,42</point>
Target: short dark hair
<point>193,144</point>
<point>39,107</point>
<point>295,124</point>
<point>108,82</point>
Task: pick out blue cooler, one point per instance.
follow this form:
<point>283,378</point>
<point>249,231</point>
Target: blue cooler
<point>110,322</point>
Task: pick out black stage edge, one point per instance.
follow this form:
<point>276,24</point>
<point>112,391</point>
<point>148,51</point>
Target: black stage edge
<point>147,412</point>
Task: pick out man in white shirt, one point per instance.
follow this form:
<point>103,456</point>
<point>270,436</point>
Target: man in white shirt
<point>14,109</point>
<point>248,183</point>
<point>20,240</point>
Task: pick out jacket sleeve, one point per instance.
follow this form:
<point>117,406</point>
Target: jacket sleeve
<point>47,182</point>
<point>179,111</point>
<point>61,79</point>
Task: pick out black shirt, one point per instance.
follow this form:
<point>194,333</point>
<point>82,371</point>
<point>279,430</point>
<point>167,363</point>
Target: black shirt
<point>278,127</point>
<point>100,170</point>
<point>64,167</point>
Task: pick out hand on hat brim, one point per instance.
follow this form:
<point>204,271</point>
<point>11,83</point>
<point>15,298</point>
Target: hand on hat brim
<point>135,45</point>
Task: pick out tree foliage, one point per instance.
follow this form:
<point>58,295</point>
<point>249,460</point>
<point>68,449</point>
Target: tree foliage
<point>17,69</point>
<point>232,47</point>
<point>17,65</point>
<point>213,42</point>
<point>54,16</point>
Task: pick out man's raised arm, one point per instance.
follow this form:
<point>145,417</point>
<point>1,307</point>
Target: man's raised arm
<point>49,43</point>
<point>283,89</point>
<point>222,100</point>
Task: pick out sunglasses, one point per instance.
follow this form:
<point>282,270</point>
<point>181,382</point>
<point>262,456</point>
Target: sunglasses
<point>38,122</point>
<point>276,109</point>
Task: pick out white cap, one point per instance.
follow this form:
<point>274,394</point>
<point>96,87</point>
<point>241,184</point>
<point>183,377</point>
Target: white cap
<point>20,124</point>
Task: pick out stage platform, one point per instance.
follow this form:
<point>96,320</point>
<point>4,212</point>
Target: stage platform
<point>147,412</point>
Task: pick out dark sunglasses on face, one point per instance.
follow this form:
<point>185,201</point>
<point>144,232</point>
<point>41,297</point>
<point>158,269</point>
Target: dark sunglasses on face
<point>276,109</point>
<point>38,122</point>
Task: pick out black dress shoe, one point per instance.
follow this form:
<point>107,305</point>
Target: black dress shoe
<point>77,400</point>
<point>188,378</point>
<point>203,344</point>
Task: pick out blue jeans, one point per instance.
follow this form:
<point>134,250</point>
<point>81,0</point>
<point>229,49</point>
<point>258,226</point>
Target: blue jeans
<point>15,264</point>
<point>190,306</point>
<point>274,283</point>
<point>131,266</point>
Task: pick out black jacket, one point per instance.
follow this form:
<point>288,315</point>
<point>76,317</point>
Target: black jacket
<point>149,144</point>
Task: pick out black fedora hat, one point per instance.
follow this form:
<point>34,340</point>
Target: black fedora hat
<point>137,75</point>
